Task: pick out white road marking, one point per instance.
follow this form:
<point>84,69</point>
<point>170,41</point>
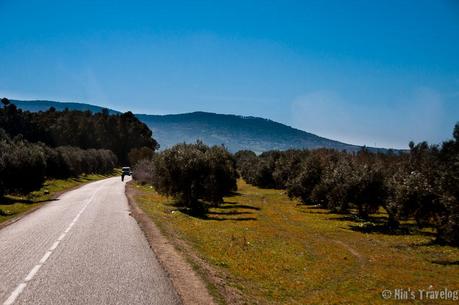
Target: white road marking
<point>69,227</point>
<point>54,246</point>
<point>14,295</point>
<point>45,257</point>
<point>32,273</point>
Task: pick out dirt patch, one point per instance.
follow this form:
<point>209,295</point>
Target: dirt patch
<point>362,260</point>
<point>189,286</point>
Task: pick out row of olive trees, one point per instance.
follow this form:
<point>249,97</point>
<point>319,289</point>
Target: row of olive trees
<point>24,166</point>
<point>195,174</point>
<point>422,184</point>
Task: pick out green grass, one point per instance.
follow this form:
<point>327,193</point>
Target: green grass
<point>14,205</point>
<point>276,251</point>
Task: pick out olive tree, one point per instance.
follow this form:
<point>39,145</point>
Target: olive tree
<point>195,174</point>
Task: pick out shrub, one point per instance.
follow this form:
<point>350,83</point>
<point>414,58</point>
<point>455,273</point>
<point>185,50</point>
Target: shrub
<point>143,171</point>
<point>265,169</point>
<point>448,221</point>
<point>23,165</point>
<point>287,166</point>
<point>367,190</point>
<point>308,177</point>
<point>246,162</point>
<point>222,174</point>
<point>193,173</point>
<point>337,180</point>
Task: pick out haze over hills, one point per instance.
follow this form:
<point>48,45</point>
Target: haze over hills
<point>234,131</point>
<point>43,105</point>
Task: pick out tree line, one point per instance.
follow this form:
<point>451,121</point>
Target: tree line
<point>119,133</point>
<point>421,184</point>
<point>53,144</point>
<point>24,166</point>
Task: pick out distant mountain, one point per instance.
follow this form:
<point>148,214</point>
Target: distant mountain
<point>234,131</point>
<point>38,105</point>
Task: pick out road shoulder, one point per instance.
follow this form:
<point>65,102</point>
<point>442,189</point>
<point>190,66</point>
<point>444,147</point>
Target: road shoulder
<point>189,286</point>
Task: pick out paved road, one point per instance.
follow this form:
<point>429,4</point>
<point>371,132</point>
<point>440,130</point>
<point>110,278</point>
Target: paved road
<point>83,248</point>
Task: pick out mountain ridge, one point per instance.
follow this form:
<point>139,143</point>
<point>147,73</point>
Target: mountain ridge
<point>43,105</point>
<point>236,132</point>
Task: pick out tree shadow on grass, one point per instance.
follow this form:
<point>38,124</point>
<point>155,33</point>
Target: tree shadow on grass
<point>381,229</point>
<point>314,209</point>
<point>218,216</point>
<point>236,205</point>
<point>403,229</point>
<point>231,219</point>
<point>378,224</point>
<point>445,262</point>
<point>355,218</point>
<point>228,213</point>
<point>233,194</point>
<point>435,242</point>
<point>206,214</point>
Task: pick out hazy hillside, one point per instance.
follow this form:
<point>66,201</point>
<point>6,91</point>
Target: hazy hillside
<point>38,105</point>
<point>235,132</point>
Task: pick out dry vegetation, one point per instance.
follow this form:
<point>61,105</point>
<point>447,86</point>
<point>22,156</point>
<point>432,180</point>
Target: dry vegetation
<point>275,251</point>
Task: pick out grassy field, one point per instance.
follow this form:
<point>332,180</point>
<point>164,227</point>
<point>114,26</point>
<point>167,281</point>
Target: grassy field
<point>275,251</point>
<point>14,205</point>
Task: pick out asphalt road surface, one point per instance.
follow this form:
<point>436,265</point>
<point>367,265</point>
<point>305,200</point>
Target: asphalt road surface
<point>82,248</point>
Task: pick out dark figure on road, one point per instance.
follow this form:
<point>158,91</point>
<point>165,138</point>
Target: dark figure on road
<point>125,171</point>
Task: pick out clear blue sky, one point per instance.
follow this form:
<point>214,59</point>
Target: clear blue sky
<point>364,72</point>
